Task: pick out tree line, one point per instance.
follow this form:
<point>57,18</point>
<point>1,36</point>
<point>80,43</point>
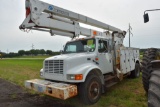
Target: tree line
<point>36,52</point>
<point>32,52</point>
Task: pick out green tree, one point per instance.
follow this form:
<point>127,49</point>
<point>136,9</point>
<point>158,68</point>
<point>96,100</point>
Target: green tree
<point>49,52</point>
<point>27,52</point>
<point>21,52</point>
<point>56,53</point>
<point>34,52</point>
<point>42,51</point>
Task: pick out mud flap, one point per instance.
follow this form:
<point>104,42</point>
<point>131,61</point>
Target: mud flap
<point>54,89</point>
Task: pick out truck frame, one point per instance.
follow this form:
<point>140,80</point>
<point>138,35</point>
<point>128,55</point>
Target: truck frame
<point>87,66</point>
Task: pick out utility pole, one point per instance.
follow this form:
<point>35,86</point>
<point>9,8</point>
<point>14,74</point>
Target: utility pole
<point>32,46</point>
<point>130,33</point>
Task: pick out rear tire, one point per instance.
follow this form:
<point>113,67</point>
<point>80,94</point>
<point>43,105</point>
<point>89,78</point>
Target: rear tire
<point>154,89</point>
<point>150,55</point>
<point>90,91</point>
<point>136,72</point>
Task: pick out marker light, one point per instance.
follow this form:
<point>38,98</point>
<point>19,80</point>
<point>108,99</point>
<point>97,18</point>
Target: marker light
<point>94,32</point>
<point>28,11</point>
<point>96,59</point>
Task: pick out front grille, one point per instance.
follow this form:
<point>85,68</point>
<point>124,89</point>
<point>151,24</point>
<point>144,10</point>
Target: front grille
<point>54,66</point>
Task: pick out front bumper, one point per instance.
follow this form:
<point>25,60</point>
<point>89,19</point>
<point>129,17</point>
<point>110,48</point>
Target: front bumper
<point>54,89</point>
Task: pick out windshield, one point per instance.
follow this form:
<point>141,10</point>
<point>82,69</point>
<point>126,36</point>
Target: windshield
<point>80,46</point>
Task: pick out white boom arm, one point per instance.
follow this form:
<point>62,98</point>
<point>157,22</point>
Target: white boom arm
<point>46,17</point>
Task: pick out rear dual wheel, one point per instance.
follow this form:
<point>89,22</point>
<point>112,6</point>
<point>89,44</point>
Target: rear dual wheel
<point>136,72</point>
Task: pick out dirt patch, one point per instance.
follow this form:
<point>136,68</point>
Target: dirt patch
<point>12,95</point>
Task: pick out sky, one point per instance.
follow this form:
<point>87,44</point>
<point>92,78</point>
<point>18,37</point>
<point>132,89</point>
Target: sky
<point>118,13</point>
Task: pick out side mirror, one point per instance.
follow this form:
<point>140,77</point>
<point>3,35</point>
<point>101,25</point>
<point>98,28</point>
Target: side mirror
<point>146,18</point>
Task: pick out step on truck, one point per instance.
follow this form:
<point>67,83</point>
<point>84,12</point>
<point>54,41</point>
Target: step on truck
<point>86,66</point>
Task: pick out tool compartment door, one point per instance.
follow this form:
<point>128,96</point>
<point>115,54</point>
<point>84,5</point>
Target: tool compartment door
<point>132,61</point>
<point>127,60</point>
<point>123,61</point>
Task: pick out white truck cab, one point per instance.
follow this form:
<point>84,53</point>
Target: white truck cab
<point>79,57</point>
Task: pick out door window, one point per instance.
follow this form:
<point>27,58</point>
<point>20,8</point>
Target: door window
<point>102,46</point>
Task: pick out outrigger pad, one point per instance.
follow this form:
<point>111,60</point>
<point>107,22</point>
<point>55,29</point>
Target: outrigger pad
<point>54,89</point>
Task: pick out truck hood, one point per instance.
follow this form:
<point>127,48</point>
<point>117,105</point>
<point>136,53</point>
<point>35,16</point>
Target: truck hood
<point>69,56</point>
<point>59,57</point>
<point>72,61</point>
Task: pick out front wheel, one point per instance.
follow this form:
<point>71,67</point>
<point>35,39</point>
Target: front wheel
<point>90,90</point>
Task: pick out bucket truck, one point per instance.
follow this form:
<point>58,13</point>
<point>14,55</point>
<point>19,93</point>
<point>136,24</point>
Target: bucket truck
<point>87,66</point>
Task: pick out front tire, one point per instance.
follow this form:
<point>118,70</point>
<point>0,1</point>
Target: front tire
<point>90,91</point>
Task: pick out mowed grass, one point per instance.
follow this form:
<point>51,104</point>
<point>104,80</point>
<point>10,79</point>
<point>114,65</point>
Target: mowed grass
<point>19,70</point>
<point>127,93</point>
<point>38,56</point>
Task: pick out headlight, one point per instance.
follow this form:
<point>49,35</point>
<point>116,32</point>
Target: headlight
<point>41,72</point>
<point>74,76</point>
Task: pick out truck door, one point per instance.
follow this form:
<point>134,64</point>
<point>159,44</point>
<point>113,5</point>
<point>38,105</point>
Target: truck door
<point>105,58</point>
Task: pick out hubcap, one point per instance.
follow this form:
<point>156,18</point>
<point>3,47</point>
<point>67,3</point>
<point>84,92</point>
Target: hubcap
<point>93,90</point>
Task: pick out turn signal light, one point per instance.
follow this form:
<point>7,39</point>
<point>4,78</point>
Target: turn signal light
<point>79,77</point>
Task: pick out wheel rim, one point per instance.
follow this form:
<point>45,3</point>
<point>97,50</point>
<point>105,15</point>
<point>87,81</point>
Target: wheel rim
<point>94,90</point>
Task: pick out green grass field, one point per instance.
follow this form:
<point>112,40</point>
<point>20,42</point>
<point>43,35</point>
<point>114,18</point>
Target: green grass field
<point>38,56</point>
<point>127,93</point>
